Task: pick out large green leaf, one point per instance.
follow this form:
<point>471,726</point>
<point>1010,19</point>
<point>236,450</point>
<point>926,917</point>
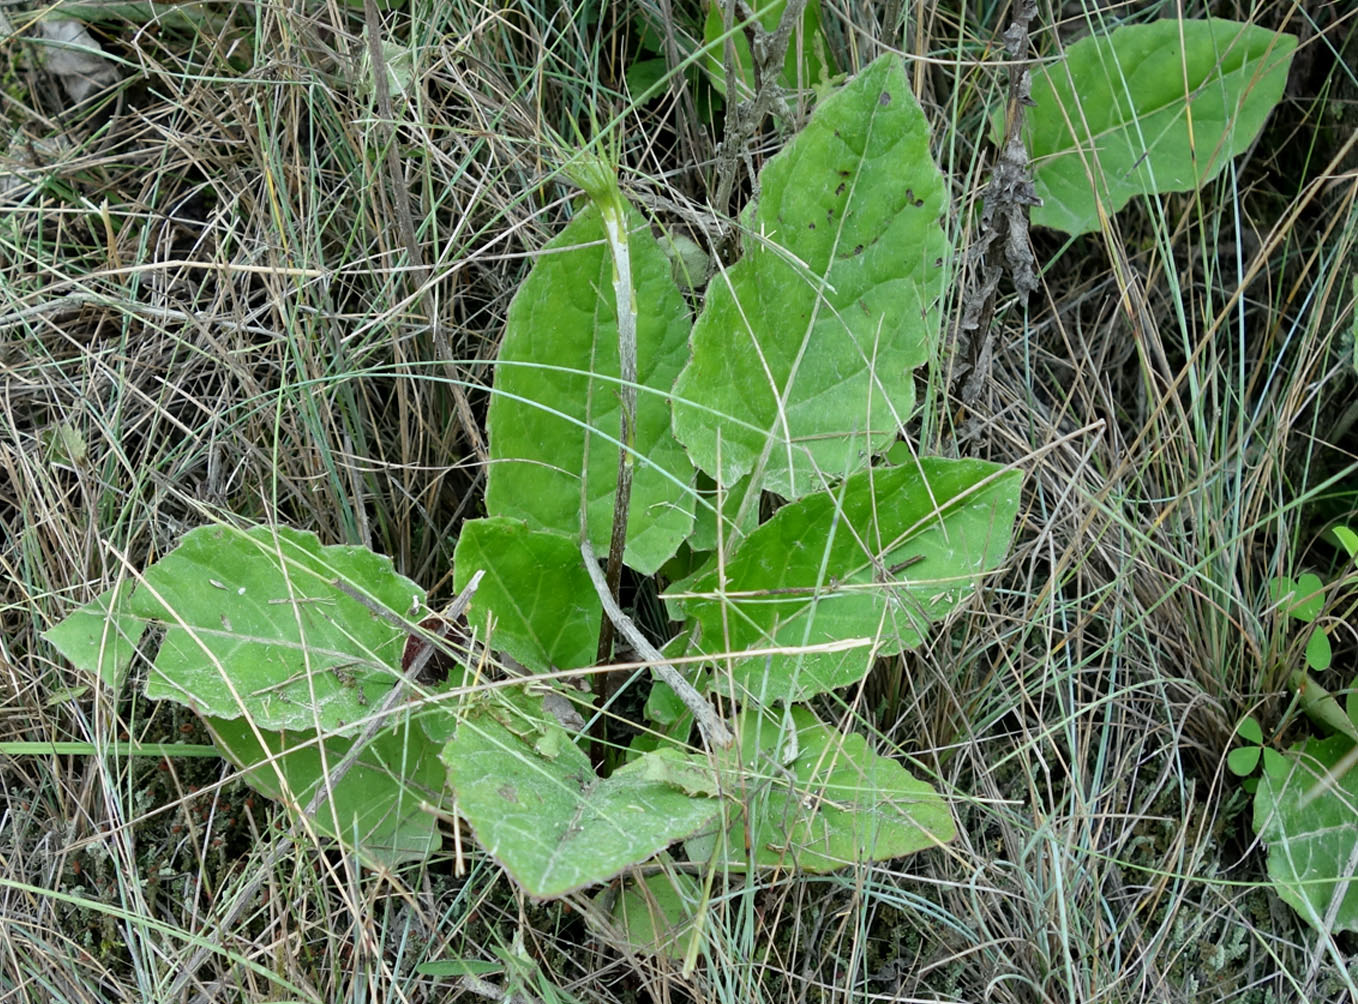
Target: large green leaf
<point>1305,814</point>
<point>265,638</point>
<point>821,800</point>
<point>256,623</point>
<point>536,593</point>
<point>1308,818</point>
<point>828,568</point>
<point>381,805</point>
<point>1147,109</point>
<point>534,802</point>
<point>554,417</point>
<point>804,351</point>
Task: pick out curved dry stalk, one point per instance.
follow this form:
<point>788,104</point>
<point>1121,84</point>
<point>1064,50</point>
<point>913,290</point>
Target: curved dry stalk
<point>713,729</point>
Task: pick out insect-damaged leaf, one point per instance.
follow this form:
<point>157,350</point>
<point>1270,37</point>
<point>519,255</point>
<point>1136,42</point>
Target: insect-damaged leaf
<point>804,353</point>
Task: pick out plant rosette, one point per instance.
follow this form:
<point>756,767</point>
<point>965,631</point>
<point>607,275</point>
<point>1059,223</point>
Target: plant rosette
<point>620,426</point>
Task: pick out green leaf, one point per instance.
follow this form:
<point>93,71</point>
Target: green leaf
<point>643,74</point>
<point>172,17</point>
<point>1305,815</point>
<point>1347,538</point>
<point>691,775</point>
<point>689,263</point>
<point>1308,598</point>
<point>821,800</point>
<point>554,418</point>
<point>1242,760</point>
<point>1250,730</point>
<point>1280,590</point>
<point>1275,764</point>
<point>380,808</point>
<point>705,536</point>
<point>1353,550</point>
<point>821,571</point>
<point>459,967</point>
<point>257,625</point>
<point>1320,705</point>
<point>262,641</point>
<point>663,706</point>
<point>1318,653</point>
<point>1145,110</point>
<point>101,637</point>
<point>899,453</point>
<point>803,354</point>
<point>66,444</point>
<point>536,591</point>
<point>665,711</point>
<point>1302,598</point>
<point>657,914</point>
<point>64,695</point>
<point>553,823</point>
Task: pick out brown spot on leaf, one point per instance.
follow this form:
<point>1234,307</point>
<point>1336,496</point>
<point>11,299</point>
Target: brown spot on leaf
<point>885,98</point>
<point>507,792</point>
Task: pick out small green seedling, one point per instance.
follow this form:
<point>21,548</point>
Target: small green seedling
<point>1243,760</point>
<point>1302,599</point>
